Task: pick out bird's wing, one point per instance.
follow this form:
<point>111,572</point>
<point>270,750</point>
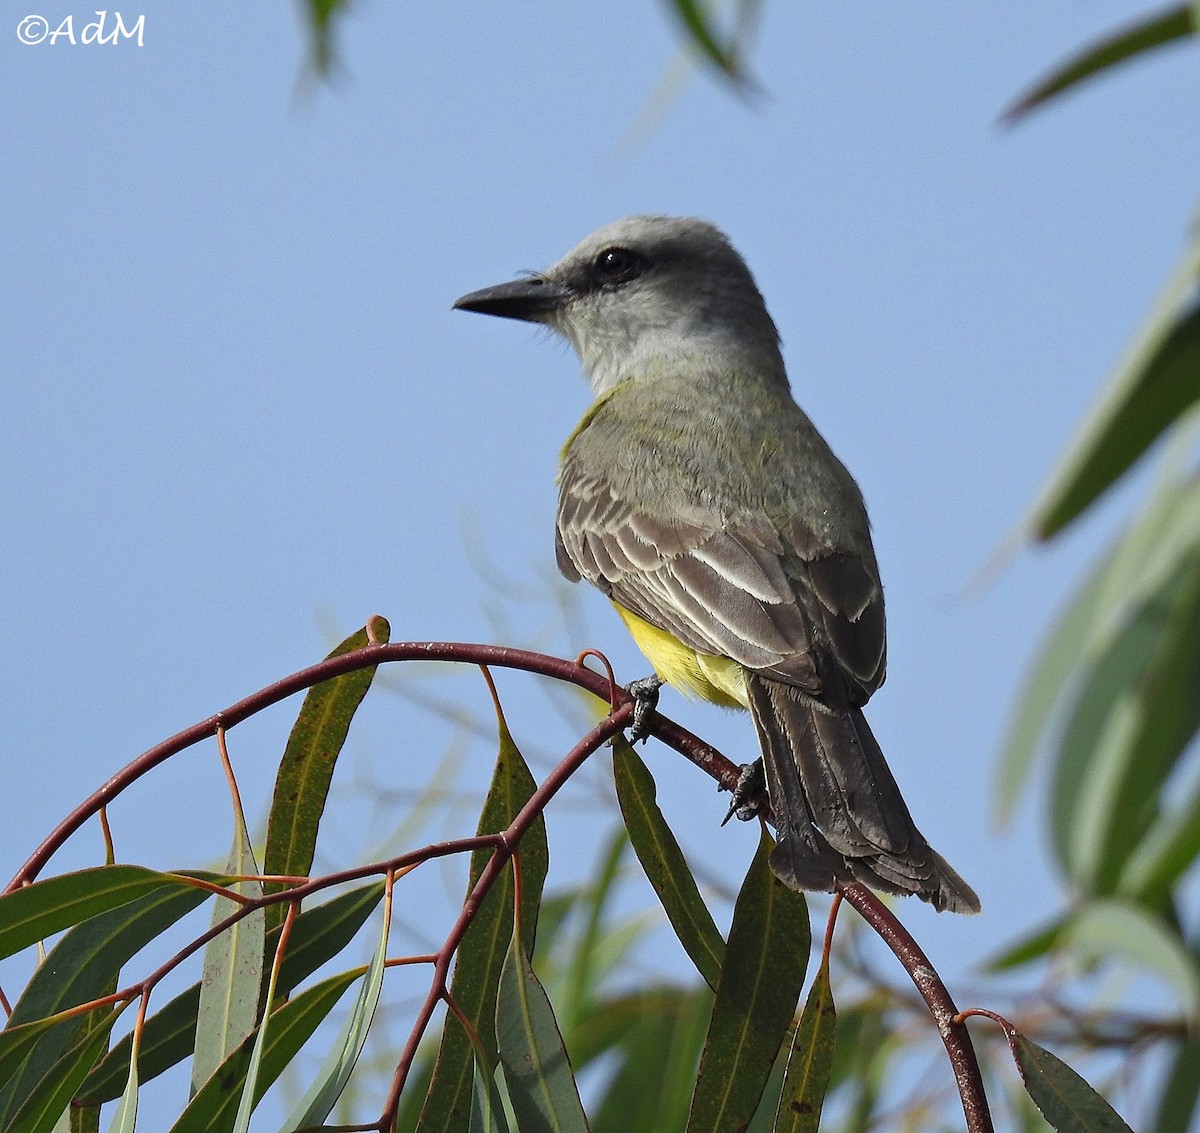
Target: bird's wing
<point>732,585</point>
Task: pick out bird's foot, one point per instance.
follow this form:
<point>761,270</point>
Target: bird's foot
<point>750,784</point>
<point>645,692</point>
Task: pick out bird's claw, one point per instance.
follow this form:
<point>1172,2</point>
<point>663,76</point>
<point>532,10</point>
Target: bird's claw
<point>645,693</point>
<point>750,784</point>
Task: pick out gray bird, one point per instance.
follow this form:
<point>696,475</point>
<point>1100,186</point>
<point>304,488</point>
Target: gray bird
<point>735,546</point>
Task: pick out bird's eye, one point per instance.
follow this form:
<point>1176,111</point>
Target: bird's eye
<point>618,265</point>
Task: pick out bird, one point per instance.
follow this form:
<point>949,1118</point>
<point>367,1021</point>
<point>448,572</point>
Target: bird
<point>700,498</point>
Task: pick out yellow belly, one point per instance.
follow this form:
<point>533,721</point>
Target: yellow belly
<point>709,677</point>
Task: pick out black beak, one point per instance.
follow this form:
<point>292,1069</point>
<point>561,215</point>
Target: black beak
<point>529,299</point>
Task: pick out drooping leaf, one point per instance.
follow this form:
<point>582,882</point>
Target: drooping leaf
<point>126,1115</point>
<point>482,950</point>
<point>766,956</point>
<point>1151,386</point>
<point>214,1108</point>
<point>698,23</point>
<point>233,965</point>
<point>1032,946</point>
<point>487,1110</point>
<point>1165,854</point>
<point>664,864</point>
<point>1067,1102</point>
<point>810,1061</point>
<point>80,968</point>
<point>1181,1094</point>
<point>306,770</point>
<point>43,1106</point>
<point>330,1080</point>
<point>541,1085</point>
<point>318,935</point>
<point>1136,713</point>
<point>1171,26</point>
<point>47,907</point>
<point>657,1041</point>
<point>1116,929</point>
<point>598,947</point>
<point>1138,565</point>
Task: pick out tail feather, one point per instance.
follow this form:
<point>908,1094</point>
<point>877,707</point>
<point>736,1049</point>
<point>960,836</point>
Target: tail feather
<point>838,811</point>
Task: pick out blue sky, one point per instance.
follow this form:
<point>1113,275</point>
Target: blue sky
<point>240,415</point>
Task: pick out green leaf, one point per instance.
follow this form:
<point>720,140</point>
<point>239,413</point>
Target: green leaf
<point>1134,718</point>
<point>233,965</point>
<point>214,1108</point>
<point>487,1111</point>
<point>1165,854</point>
<point>664,864</point>
<point>1146,35</point>
<point>482,950</point>
<point>695,19</point>
<point>306,770</point>
<point>1116,929</point>
<point>1032,946</point>
<point>168,1038</point>
<point>582,976</point>
<point>47,907</point>
<point>1152,384</point>
<point>1139,564</point>
<point>329,1082</point>
<point>126,1115</point>
<point>537,1071</point>
<point>41,1109</point>
<point>321,18</point>
<point>767,954</point>
<point>1178,1098</point>
<point>1067,1102</point>
<point>810,1061</point>
<point>657,1036</point>
<point>80,968</point>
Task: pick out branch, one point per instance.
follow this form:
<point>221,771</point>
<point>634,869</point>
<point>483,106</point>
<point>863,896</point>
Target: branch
<point>703,755</point>
<point>945,1014</point>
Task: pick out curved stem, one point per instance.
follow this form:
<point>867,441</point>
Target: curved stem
<point>706,757</point>
<point>945,1014</point>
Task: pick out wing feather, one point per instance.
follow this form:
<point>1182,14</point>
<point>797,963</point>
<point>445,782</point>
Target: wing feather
<point>776,601</point>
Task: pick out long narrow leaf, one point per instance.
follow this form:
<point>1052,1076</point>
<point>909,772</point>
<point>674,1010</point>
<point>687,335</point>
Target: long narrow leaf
<point>125,1116</point>
<point>168,1038</point>
<point>1137,566</point>
<point>45,1104</point>
<point>541,1085</point>
<point>214,1108</point>
<point>1065,1099</point>
<point>696,21</point>
<point>766,957</point>
<point>483,948</point>
<point>81,968</point>
<point>233,965</point>
<point>810,1061</point>
<point>47,907</point>
<point>306,770</point>
<point>487,1111</point>
<point>1154,365</point>
<point>330,1080</point>
<point>1146,35</point>
<point>664,864</point>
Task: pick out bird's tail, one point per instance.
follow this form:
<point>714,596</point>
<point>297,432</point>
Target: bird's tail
<point>838,812</point>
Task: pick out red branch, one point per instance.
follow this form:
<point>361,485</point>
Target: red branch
<point>504,844</point>
<point>706,757</point>
<point>945,1014</point>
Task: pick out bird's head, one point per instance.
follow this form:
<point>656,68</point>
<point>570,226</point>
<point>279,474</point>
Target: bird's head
<point>644,295</point>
